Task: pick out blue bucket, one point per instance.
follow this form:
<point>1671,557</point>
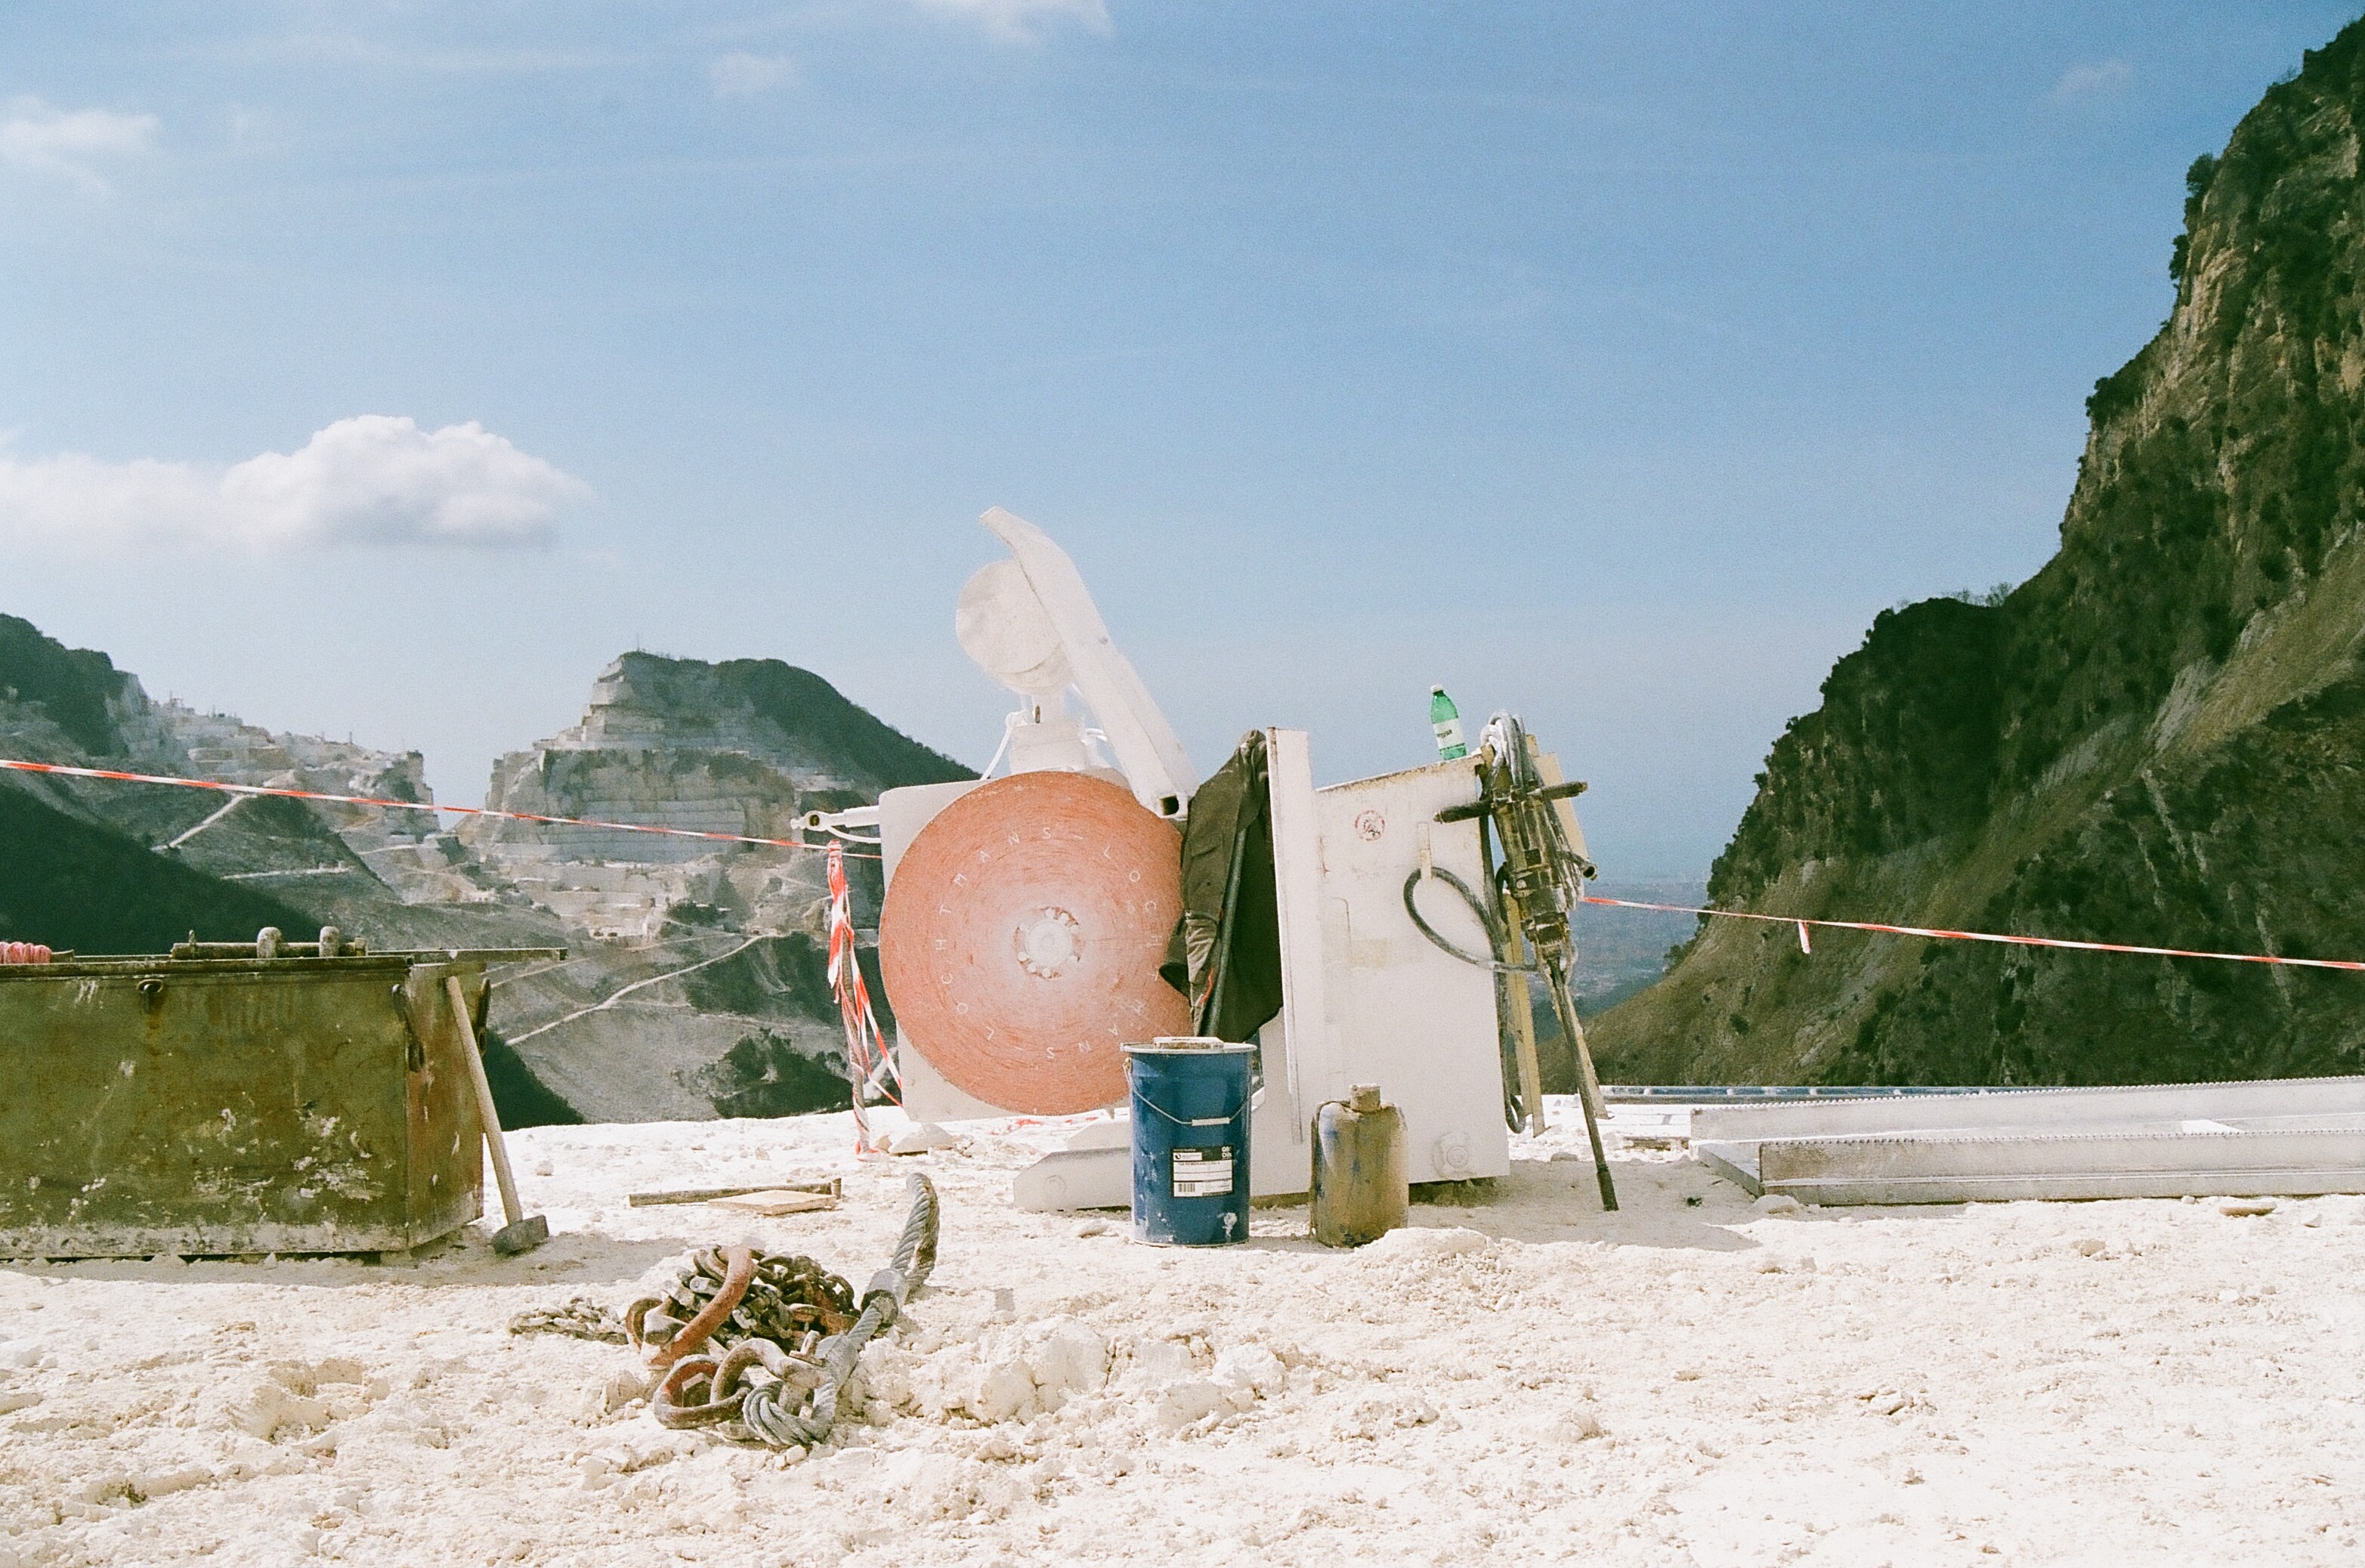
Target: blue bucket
<point>1190,1141</point>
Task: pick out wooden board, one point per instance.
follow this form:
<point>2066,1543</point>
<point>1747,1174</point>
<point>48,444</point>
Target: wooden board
<point>777,1201</point>
<point>832,1187</point>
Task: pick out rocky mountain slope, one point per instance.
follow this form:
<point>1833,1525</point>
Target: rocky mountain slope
<point>741,747</point>
<point>694,982</point>
<point>700,989</point>
<point>71,883</point>
<point>100,869</point>
<point>2159,738</point>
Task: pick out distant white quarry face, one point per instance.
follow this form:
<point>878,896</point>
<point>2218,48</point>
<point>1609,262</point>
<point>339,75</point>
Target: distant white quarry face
<point>685,744</point>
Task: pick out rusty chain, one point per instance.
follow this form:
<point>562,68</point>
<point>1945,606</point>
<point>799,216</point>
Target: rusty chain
<point>785,1297</point>
<point>731,1313</point>
<point>766,1342</point>
<point>577,1317</point>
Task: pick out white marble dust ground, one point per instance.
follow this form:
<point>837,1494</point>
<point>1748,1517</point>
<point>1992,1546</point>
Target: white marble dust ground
<point>1687,1382</point>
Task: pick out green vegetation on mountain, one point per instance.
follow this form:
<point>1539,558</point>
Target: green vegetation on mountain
<point>67,883</point>
<point>809,709</point>
<point>68,879</point>
<point>2159,738</point>
<point>71,687</point>
<point>521,1099</point>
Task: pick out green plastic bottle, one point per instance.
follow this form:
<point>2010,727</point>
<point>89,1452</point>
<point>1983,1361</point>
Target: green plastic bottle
<point>1446,719</point>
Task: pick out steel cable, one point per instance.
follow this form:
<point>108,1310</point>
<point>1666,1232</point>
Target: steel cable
<point>784,1413</point>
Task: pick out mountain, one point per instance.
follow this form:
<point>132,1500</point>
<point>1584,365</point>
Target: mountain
<point>694,985</point>
<point>742,747</point>
<point>700,990</point>
<point>72,884</point>
<point>2159,738</point>
<point>70,877</point>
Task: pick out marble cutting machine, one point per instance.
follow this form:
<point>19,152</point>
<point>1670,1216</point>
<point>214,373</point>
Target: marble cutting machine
<point>1028,916</point>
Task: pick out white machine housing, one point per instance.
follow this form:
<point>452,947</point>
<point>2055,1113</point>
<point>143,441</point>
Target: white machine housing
<point>1366,998</point>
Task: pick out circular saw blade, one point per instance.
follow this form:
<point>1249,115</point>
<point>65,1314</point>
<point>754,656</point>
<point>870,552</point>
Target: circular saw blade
<point>1021,939</point>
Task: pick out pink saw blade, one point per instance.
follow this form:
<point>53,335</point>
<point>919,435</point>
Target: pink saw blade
<point>1022,935</point>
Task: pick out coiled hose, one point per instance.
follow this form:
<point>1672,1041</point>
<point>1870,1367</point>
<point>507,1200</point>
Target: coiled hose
<point>1497,940</point>
<point>787,1414</point>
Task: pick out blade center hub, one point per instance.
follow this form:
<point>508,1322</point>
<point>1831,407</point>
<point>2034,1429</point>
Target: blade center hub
<point>1047,942</point>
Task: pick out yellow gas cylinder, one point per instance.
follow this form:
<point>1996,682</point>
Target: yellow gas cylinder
<point>1359,1191</point>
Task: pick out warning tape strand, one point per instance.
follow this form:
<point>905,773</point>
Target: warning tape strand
<point>870,1067</point>
<point>116,776</point>
<point>1802,923</point>
<point>2005,939</point>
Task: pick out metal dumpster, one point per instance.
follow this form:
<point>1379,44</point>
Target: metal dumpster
<point>207,1104</point>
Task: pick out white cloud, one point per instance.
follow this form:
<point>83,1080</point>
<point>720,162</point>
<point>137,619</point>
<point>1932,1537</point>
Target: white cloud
<point>750,75</point>
<point>72,143</point>
<point>1022,18</point>
<point>2100,80</point>
<point>375,480</point>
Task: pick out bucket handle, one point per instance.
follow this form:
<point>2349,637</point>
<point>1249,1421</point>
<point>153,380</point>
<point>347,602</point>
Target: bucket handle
<point>1190,1120</point>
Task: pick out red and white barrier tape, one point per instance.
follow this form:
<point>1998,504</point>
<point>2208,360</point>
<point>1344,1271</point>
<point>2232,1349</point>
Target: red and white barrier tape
<point>1978,936</point>
<point>868,1063</point>
<point>839,853</point>
<point>112,775</point>
<point>23,953</point>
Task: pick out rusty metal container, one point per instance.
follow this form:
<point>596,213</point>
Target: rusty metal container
<point>1360,1191</point>
<point>207,1104</point>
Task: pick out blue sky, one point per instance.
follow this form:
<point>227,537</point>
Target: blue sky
<point>386,369</point>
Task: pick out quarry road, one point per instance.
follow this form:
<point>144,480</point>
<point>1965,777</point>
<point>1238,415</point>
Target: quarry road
<point>612,998</point>
<point>1527,1379</point>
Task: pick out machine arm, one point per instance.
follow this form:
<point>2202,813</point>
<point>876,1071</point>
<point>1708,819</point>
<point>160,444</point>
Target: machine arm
<point>1146,746</point>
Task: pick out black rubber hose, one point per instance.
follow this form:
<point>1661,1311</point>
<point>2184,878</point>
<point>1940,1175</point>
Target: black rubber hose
<point>1494,939</point>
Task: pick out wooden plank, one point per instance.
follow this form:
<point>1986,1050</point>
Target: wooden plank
<point>1523,1030</point>
<point>774,1201</point>
<point>1548,769</point>
<point>832,1187</point>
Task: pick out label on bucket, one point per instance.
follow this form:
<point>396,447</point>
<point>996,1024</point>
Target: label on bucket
<point>1203,1172</point>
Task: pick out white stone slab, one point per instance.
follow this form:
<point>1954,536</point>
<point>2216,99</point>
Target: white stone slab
<point>1922,1168</point>
<point>2030,1108</point>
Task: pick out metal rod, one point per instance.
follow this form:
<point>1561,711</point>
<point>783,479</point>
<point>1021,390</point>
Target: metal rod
<point>1565,1005</point>
<point>1511,992</point>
